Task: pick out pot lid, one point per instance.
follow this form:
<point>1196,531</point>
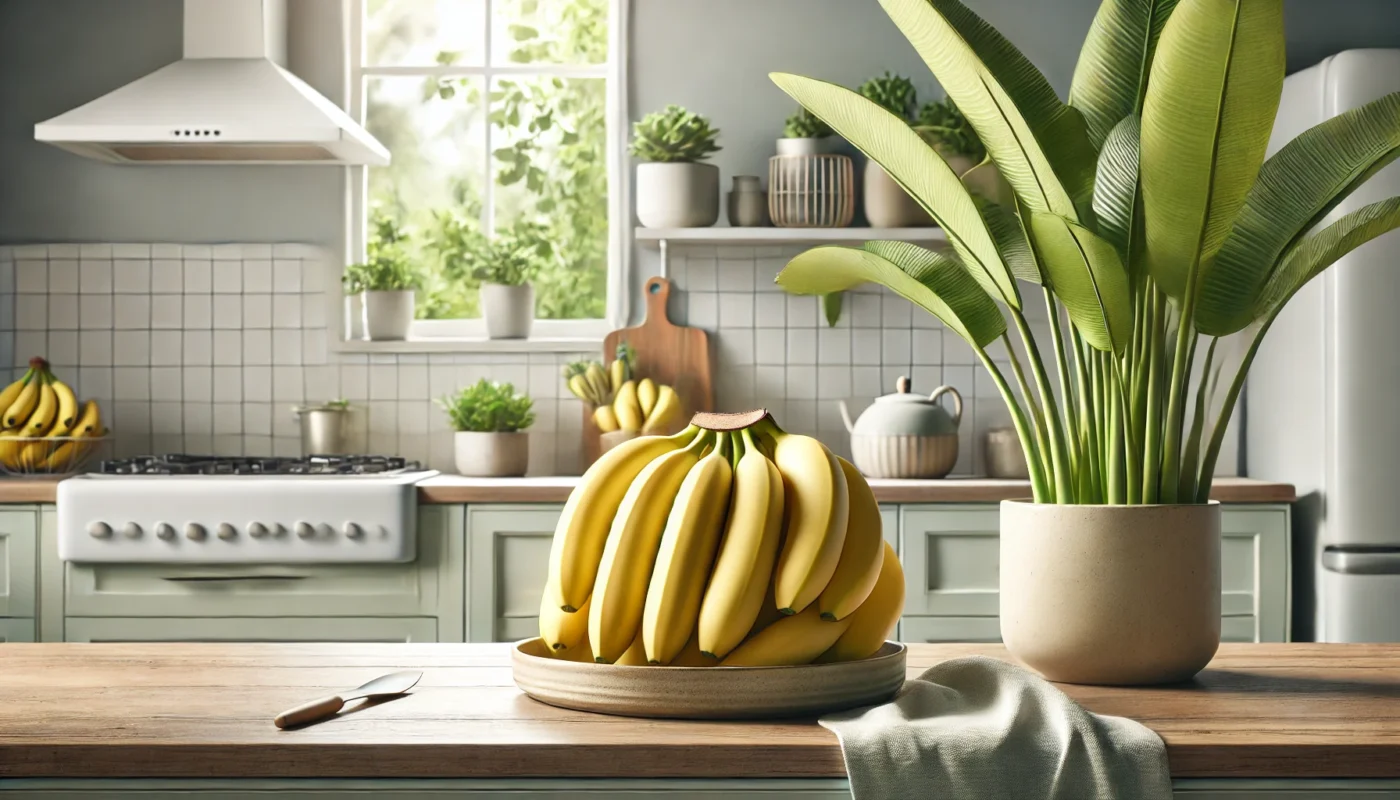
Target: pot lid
<point>904,413</point>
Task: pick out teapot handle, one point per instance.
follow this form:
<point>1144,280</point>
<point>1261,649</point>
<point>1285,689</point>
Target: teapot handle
<point>846,418</point>
<point>957,401</point>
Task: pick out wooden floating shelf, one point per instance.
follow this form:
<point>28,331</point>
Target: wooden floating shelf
<point>769,236</point>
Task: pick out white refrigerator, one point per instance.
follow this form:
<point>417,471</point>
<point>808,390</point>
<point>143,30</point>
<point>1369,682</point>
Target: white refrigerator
<point>1322,405</point>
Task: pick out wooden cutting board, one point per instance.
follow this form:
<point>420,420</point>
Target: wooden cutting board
<point>671,354</point>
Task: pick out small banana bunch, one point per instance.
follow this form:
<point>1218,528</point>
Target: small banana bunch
<point>42,425</point>
<point>620,401</point>
<point>731,543</point>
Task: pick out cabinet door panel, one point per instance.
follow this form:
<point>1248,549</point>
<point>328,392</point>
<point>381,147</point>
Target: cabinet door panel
<point>286,629</point>
<point>1254,569</point>
<point>949,629</point>
<point>508,561</point>
<point>19,531</point>
<point>952,559</point>
<point>1239,629</point>
<point>16,630</point>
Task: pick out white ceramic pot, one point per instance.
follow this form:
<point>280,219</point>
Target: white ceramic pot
<point>887,205</point>
<point>677,195</point>
<point>805,147</point>
<point>491,455</point>
<point>509,310</point>
<point>388,315</point>
<point>1111,595</point>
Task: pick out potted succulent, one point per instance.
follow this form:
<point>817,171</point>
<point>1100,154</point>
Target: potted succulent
<point>886,203</point>
<point>490,420</point>
<point>1146,212</point>
<point>804,135</point>
<point>945,128</point>
<point>675,190</point>
<point>384,283</point>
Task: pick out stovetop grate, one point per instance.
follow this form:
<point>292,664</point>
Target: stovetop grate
<point>175,464</point>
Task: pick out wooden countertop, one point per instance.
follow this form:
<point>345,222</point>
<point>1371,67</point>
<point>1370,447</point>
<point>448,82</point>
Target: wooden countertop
<point>29,490</point>
<point>205,710</point>
<point>555,489</point>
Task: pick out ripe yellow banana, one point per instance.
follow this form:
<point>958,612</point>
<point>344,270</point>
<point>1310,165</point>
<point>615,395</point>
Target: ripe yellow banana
<point>605,419</point>
<point>634,656</point>
<point>10,447</point>
<point>617,373</point>
<point>872,623</point>
<point>24,402</point>
<point>89,422</point>
<point>45,410</point>
<point>664,412</point>
<point>560,629</point>
<point>646,396</point>
<point>67,408</point>
<point>629,414</point>
<point>690,656</point>
<point>598,379</point>
<point>818,507</point>
<point>860,554</point>
<point>582,532</point>
<point>619,594</point>
<point>11,392</point>
<point>579,386</point>
<point>580,653</point>
<point>797,639</point>
<point>743,571</point>
<point>686,554</point>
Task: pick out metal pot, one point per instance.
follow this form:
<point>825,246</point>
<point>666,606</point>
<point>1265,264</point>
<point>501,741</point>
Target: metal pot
<point>325,429</point>
<point>1005,458</point>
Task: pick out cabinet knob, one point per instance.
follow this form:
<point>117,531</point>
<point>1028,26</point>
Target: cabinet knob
<point>195,532</point>
<point>100,530</point>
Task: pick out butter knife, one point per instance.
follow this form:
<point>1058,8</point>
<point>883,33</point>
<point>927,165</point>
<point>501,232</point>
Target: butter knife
<point>383,686</point>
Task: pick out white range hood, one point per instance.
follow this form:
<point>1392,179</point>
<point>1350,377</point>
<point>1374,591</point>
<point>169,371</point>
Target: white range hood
<point>228,101</point>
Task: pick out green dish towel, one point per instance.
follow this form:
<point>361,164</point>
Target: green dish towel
<point>979,728</point>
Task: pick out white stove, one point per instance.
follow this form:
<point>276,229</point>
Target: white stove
<point>217,510</point>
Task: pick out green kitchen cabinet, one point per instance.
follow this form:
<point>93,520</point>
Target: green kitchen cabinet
<point>19,533</point>
<point>507,562</point>
<point>251,629</point>
<point>16,630</point>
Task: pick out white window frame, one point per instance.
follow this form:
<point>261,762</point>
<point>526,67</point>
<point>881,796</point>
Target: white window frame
<point>469,335</point>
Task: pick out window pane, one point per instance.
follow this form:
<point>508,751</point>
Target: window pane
<point>435,178</point>
<point>549,32</point>
<point>425,32</point>
<point>549,165</point>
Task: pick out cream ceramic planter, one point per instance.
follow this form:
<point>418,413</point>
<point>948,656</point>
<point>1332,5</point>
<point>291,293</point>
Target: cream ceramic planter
<point>388,315</point>
<point>677,195</point>
<point>1111,595</point>
<point>509,310</point>
<point>492,455</point>
<point>887,205</point>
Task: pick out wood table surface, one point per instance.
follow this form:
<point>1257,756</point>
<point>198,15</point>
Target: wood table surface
<point>205,711</point>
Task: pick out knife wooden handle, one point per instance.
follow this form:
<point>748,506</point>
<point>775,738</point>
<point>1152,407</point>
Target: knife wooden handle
<point>309,712</point>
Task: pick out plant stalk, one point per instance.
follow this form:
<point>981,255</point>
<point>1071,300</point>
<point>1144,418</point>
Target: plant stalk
<point>1217,436</point>
<point>1189,465</point>
<point>1059,460</point>
<point>1042,442</point>
<point>1152,427</point>
<point>1076,454</point>
<point>1040,487</point>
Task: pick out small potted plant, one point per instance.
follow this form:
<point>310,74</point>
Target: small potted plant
<point>504,265</point>
<point>945,128</point>
<point>887,205</point>
<point>804,135</point>
<point>675,190</point>
<point>490,420</point>
<point>384,282</point>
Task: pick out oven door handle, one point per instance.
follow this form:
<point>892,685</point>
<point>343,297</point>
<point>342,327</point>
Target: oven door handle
<point>229,578</point>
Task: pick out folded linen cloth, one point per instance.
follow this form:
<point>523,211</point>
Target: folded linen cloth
<point>980,728</point>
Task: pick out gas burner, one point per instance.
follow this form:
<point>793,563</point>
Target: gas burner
<point>247,465</point>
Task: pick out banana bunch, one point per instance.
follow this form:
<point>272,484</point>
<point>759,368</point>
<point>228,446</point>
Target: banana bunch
<point>731,543</point>
<point>42,425</point>
<point>640,406</point>
<point>595,384</point>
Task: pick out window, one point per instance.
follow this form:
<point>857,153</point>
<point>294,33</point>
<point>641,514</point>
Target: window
<point>502,116</point>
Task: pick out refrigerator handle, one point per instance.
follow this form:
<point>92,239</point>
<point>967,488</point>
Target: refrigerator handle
<point>1361,562</point>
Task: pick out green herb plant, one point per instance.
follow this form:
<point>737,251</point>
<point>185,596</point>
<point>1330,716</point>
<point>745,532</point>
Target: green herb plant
<point>894,93</point>
<point>941,123</point>
<point>673,135</point>
<point>489,407</point>
<point>802,125</point>
<point>1145,212</point>
<point>387,266</point>
<point>511,258</point>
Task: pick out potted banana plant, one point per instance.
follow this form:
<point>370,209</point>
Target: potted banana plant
<point>674,189</point>
<point>1146,213</point>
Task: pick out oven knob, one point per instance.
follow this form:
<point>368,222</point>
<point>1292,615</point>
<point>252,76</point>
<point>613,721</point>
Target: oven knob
<point>305,530</point>
<point>100,530</point>
<point>227,532</point>
<point>257,530</point>
<point>131,530</point>
<point>354,531</point>
<point>195,532</point>
<point>165,531</point>
<point>279,530</point>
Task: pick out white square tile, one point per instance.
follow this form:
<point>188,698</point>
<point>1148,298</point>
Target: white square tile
<point>257,418</point>
<point>864,310</point>
<point>257,311</point>
<point>63,276</point>
<point>257,276</point>
<point>383,416</point>
<point>228,348</point>
<point>801,382</point>
<point>286,347</point>
<point>27,345</point>
<point>257,347</point>
<point>314,275</point>
<point>766,271</point>
<point>896,311</point>
<point>701,274</point>
<point>63,348</point>
<point>7,276</point>
<point>95,311</point>
<point>834,345</point>
<point>928,347</point>
<point>957,351</point>
<point>228,311</point>
<point>53,250</point>
<point>923,319</point>
<point>313,311</point>
<point>354,382</point>
<point>897,348</point>
<point>199,311</point>
<point>167,383</point>
<point>802,311</point>
<point>770,310</point>
<point>313,346</point>
<point>383,382</point>
<point>167,348</point>
<point>199,384</point>
<point>95,276</point>
<point>770,346</point>
<point>412,381</point>
<point>199,275</point>
<point>228,384</point>
<point>167,311</point>
<point>227,251</point>
<point>736,348</point>
<point>32,276</point>
<point>865,381</point>
<point>413,416</point>
<point>131,311</point>
<point>287,385</point>
<point>228,277</point>
<point>800,416</point>
<point>801,346</point>
<point>960,378</point>
<point>131,418</point>
<point>167,251</point>
<point>94,382</point>
<point>545,382</point>
<point>736,309</point>
<point>136,250</point>
<point>131,348</point>
<point>199,418</point>
<point>255,250</point>
<point>923,380</point>
<point>167,417</point>
<point>131,276</point>
<point>203,251</point>
<point>834,382</point>
<point>286,311</point>
<point>286,276</point>
<point>95,348</point>
<point>703,311</point>
<point>167,275</point>
<point>736,275</point>
<point>257,384</point>
<point>31,312</point>
<point>198,348</point>
<point>131,383</point>
<point>228,418</point>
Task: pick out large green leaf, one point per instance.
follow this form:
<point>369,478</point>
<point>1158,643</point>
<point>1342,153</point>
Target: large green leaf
<point>1116,192</point>
<point>891,143</point>
<point>831,306</point>
<point>930,280</point>
<point>1114,63</point>
<point>1011,241</point>
<point>1088,277</point>
<point>1321,250</point>
<point>1210,105</point>
<point>1296,189</point>
<point>1040,144</point>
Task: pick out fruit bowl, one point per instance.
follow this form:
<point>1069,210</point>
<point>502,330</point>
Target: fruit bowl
<point>707,692</point>
<point>47,456</point>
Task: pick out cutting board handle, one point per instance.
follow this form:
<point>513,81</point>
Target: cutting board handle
<point>658,292</point>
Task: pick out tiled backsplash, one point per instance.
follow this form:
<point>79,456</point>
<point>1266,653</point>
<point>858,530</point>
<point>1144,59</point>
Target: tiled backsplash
<point>207,349</point>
